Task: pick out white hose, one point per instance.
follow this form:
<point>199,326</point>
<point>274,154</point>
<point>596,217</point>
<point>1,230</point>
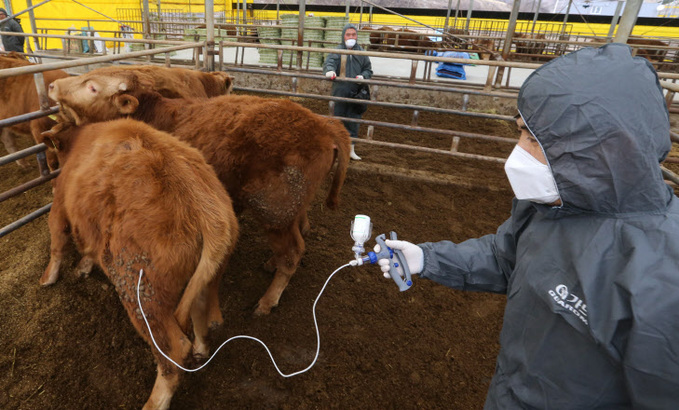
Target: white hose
<point>318,336</point>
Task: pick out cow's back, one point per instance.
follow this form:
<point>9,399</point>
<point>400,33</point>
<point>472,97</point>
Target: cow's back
<point>259,143</point>
<point>138,179</point>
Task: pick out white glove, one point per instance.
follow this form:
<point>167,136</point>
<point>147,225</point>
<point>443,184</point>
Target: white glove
<point>412,253</point>
<point>360,77</point>
<point>331,75</point>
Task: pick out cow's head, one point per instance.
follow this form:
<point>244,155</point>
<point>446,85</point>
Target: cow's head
<point>224,83</point>
<point>95,97</point>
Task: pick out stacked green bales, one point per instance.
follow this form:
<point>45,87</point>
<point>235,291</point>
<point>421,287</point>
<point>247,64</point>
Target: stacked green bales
<point>268,35</point>
<point>313,36</point>
<point>333,33</point>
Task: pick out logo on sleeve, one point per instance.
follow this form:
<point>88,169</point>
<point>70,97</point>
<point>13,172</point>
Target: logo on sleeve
<point>570,302</point>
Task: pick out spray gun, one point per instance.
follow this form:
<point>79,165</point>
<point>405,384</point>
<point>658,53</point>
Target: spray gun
<point>361,229</point>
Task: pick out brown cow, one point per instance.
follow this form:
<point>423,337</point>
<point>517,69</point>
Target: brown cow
<point>175,82</point>
<point>18,95</point>
<point>407,40</point>
<point>486,48</point>
<point>527,48</point>
<point>653,55</point>
<point>137,198</point>
<point>271,154</point>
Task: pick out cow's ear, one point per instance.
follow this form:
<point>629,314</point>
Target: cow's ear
<point>49,137</point>
<point>126,103</point>
<point>228,84</point>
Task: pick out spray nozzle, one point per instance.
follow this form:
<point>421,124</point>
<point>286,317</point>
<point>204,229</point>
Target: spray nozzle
<point>361,229</point>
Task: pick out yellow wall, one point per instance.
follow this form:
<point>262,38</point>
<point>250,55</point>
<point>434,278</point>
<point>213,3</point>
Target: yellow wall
<point>71,14</point>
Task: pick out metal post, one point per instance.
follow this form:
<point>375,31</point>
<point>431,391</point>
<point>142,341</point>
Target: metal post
<point>31,16</point>
<point>146,22</point>
<point>565,18</point>
<point>445,25</point>
<point>210,27</point>
<point>457,12</point>
<point>508,40</point>
<point>370,16</point>
<point>627,21</point>
<point>469,16</point>
<point>245,14</point>
<point>360,16</point>
<point>535,16</point>
<point>300,33</point>
<point>278,10</point>
<point>616,18</point>
<point>346,10</point>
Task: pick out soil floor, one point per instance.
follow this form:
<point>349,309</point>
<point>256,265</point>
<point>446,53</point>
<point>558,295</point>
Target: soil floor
<point>71,345</point>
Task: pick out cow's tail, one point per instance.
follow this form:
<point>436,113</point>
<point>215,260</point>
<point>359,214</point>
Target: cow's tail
<point>216,246</point>
<point>342,147</point>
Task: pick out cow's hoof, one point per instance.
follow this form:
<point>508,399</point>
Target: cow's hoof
<point>261,310</point>
<point>214,325</point>
<point>200,357</point>
<point>47,281</point>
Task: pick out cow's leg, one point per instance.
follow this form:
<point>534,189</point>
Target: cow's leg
<point>169,337</point>
<point>85,265</point>
<point>304,226</point>
<point>59,228</point>
<point>288,247</point>
<point>200,325</point>
<point>214,313</point>
<point>168,375</point>
<point>8,141</point>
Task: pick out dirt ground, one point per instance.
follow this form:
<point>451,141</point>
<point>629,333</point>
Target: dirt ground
<point>71,346</point>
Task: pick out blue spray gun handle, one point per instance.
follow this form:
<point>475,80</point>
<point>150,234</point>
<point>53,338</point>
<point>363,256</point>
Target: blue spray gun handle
<point>394,262</point>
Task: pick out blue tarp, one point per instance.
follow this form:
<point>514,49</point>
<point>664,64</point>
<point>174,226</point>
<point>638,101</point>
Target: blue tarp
<point>451,70</point>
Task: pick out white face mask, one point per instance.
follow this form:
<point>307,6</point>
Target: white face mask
<point>350,43</point>
<point>530,179</point>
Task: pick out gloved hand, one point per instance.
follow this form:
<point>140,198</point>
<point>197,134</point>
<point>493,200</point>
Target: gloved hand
<point>360,77</point>
<point>331,75</point>
<point>412,253</point>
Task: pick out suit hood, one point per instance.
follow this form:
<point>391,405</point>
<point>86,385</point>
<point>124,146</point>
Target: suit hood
<point>601,118</point>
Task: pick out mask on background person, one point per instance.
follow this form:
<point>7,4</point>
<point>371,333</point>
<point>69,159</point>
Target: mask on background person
<point>350,43</point>
<point>530,179</point>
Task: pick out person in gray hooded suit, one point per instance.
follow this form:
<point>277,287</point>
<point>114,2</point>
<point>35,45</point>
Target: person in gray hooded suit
<point>589,259</point>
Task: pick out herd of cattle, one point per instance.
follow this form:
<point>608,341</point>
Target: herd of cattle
<point>529,47</point>
<point>155,165</point>
<point>526,46</point>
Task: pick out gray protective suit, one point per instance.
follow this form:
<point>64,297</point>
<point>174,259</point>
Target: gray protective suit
<point>356,65</point>
<point>592,314</point>
<point>12,43</point>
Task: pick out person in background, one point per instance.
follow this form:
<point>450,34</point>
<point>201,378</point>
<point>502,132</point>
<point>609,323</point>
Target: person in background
<point>11,43</point>
<point>589,259</point>
<point>357,67</point>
